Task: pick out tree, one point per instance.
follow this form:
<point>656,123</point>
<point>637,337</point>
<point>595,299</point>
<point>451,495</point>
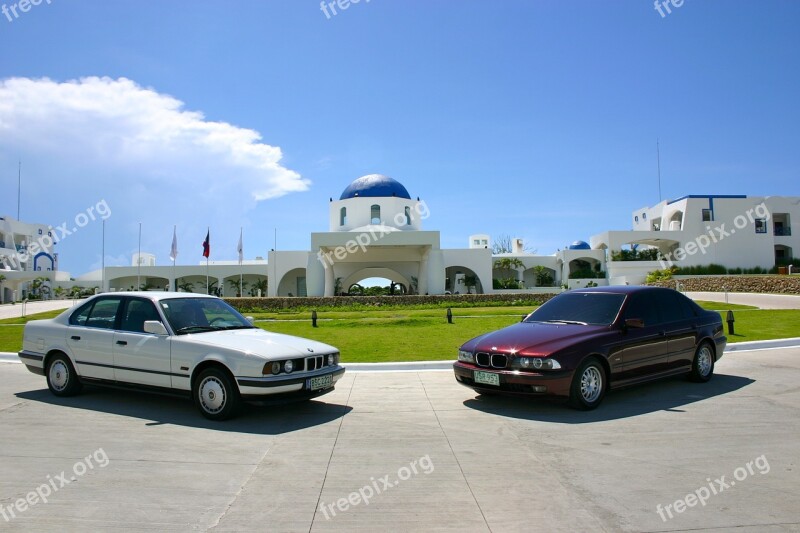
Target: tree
<point>470,281</point>
<point>39,287</point>
<point>337,286</point>
<point>509,266</point>
<point>504,245</point>
<point>543,276</point>
<point>260,285</point>
<point>186,286</point>
<point>212,288</point>
<point>234,283</point>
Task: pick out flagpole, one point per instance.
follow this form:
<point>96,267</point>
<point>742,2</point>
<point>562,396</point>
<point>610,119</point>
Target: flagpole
<point>103,259</point>
<point>208,239</point>
<point>19,186</point>
<point>174,257</point>
<point>139,261</point>
<point>241,273</point>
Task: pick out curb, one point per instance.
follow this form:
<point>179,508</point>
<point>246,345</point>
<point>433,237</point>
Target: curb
<point>418,366</point>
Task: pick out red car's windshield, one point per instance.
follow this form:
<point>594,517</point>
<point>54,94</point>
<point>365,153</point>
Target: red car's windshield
<point>586,308</point>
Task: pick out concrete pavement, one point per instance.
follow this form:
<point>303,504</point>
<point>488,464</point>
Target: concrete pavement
<point>763,301</point>
<point>31,308</point>
<point>428,454</point>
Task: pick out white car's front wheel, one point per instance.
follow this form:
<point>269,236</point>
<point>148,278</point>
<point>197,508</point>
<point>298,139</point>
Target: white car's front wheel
<point>216,395</point>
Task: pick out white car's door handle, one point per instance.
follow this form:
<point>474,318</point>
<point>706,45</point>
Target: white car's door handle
<point>122,343</point>
<point>75,338</point>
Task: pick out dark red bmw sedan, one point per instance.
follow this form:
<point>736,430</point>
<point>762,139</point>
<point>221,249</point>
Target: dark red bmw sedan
<point>582,343</point>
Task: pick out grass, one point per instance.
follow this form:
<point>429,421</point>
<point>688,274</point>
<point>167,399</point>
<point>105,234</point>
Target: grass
<point>381,335</point>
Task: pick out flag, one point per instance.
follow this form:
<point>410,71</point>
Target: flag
<point>239,248</point>
<point>173,253</point>
<point>207,245</point>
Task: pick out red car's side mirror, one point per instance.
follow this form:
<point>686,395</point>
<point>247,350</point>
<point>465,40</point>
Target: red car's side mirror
<point>634,323</point>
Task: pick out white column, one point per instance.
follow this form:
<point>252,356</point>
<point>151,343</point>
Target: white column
<point>422,277</point>
<point>329,280</point>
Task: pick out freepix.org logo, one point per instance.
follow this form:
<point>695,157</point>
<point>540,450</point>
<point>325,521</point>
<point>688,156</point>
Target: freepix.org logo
<point>21,7</point>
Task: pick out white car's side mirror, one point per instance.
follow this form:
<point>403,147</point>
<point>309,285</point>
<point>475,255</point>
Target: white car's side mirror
<point>155,327</point>
<point>250,319</point>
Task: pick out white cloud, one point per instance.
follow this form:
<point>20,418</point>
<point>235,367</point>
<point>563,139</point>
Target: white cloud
<point>145,154</point>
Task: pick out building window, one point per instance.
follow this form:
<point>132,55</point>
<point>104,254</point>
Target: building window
<point>477,242</point>
<point>375,214</point>
<point>408,216</point>
<point>761,225</point>
<point>343,216</point>
<point>644,216</point>
<point>708,215</point>
<point>636,218</point>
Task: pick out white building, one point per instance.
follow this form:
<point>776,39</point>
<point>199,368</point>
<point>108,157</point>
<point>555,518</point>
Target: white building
<point>26,253</point>
<point>375,230</point>
<point>731,231</point>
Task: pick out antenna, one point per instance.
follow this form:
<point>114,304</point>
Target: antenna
<point>658,159</point>
<point>19,186</point>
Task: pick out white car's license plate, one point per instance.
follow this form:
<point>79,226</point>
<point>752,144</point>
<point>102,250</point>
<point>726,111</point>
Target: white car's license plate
<point>320,382</point>
<point>487,378</point>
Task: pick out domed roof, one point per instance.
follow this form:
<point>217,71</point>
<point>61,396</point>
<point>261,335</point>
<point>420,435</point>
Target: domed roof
<point>579,245</point>
<point>375,186</point>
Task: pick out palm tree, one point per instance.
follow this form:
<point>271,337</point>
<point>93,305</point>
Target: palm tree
<point>2,279</point>
<point>39,287</point>
<point>186,286</point>
<point>509,264</point>
<point>261,285</point>
<point>234,283</point>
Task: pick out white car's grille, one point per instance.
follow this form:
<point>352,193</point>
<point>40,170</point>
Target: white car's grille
<point>315,363</point>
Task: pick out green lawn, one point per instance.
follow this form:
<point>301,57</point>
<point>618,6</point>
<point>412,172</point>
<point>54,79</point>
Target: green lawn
<point>424,334</point>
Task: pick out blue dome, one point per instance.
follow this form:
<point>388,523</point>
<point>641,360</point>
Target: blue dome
<point>375,186</point>
<point>579,245</point>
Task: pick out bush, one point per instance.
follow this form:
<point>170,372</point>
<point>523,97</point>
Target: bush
<point>355,303</point>
<point>649,254</point>
<point>660,275</point>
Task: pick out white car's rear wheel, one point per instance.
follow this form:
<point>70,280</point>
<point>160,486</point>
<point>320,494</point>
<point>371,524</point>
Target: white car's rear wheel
<point>215,395</point>
<point>62,380</point>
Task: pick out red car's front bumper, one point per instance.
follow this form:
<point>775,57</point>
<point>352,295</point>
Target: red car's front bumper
<point>515,382</point>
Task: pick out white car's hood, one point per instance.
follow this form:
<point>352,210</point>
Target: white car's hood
<point>259,342</point>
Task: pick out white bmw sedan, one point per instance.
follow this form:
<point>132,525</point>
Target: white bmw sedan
<point>176,342</point>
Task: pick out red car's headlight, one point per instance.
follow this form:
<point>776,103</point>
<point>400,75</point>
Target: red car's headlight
<point>538,363</point>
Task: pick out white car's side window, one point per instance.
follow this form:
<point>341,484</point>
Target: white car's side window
<point>100,313</point>
<point>137,312</point>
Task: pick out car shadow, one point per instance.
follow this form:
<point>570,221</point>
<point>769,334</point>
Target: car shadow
<point>154,409</point>
<point>667,395</point>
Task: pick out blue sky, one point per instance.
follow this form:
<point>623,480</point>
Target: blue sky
<point>536,119</point>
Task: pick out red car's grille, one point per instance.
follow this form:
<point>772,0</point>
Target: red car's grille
<point>494,360</point>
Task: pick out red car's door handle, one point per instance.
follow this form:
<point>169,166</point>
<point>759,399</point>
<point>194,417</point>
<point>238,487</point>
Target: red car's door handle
<point>75,338</point>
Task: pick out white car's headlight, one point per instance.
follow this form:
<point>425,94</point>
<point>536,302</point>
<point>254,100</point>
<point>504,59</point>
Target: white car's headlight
<point>288,366</point>
<point>466,357</point>
<point>538,363</point>
<point>331,359</point>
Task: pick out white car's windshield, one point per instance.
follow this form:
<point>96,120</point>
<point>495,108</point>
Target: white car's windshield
<point>196,315</point>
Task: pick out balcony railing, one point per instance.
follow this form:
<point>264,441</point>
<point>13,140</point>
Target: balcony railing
<point>783,232</point>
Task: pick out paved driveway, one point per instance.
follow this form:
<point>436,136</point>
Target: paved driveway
<point>426,453</point>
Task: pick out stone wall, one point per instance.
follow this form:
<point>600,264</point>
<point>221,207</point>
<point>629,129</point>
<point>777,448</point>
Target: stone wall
<point>463,300</point>
<point>765,284</point>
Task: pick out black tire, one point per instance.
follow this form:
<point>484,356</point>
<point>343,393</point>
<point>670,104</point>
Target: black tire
<point>215,395</point>
<point>703,363</point>
<point>588,386</point>
<point>62,380</point>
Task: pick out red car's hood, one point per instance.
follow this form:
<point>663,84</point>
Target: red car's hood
<point>533,338</point>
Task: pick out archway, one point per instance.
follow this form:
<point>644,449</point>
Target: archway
<point>378,272</point>
<point>293,283</point>
<point>462,280</point>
